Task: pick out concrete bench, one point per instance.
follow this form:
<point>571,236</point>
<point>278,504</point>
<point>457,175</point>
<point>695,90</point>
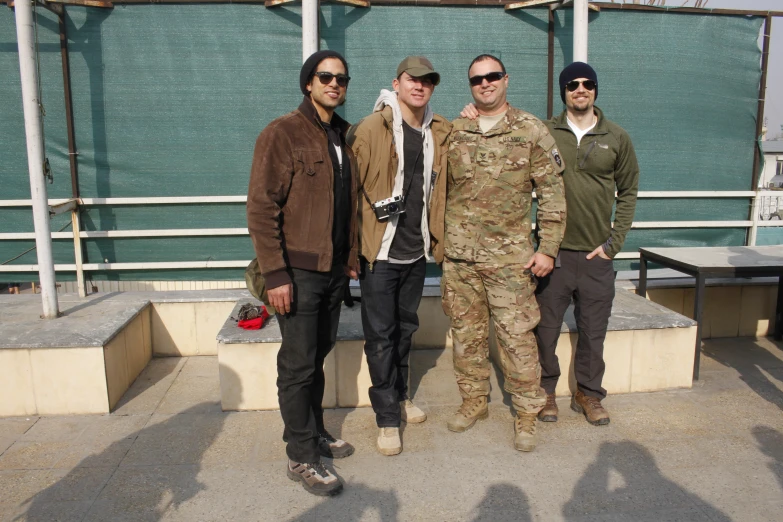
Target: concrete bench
<point>648,348</point>
<point>84,361</point>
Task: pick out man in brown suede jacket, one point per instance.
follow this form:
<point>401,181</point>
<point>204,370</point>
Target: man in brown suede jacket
<point>301,214</point>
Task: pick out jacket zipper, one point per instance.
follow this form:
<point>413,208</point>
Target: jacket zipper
<point>584,158</point>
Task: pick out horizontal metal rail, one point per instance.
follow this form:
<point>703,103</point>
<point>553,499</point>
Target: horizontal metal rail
<point>185,200</point>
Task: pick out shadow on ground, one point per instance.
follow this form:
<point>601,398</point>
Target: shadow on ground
<point>624,478</point>
<point>166,492</point>
<point>770,442</point>
<point>759,367</point>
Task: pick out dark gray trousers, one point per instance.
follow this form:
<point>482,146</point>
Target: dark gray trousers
<point>590,283</point>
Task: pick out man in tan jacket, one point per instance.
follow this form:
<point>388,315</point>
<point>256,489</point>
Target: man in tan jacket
<point>401,154</point>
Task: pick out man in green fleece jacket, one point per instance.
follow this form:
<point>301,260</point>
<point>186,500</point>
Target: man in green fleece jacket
<point>599,160</point>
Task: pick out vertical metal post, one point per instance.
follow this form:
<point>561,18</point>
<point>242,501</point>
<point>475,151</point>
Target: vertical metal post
<point>698,309</point>
<point>35,156</point>
<point>68,104</point>
<point>580,31</point>
<point>550,105</point>
<point>77,251</point>
<point>762,96</point>
<point>641,290</point>
<point>756,203</point>
<point>310,37</point>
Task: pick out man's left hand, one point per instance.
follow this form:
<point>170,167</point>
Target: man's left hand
<point>600,253</point>
<point>540,264</point>
<point>352,272</point>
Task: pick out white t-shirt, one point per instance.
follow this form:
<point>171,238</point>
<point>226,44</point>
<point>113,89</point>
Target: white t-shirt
<point>579,132</point>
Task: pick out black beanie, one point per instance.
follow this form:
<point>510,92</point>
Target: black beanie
<point>308,68</point>
<point>574,71</point>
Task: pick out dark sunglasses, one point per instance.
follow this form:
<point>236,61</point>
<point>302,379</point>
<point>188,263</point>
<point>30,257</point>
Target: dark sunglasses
<point>574,85</point>
<point>326,78</point>
<point>475,81</point>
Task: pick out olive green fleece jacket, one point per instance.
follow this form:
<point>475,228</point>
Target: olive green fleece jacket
<point>603,162</point>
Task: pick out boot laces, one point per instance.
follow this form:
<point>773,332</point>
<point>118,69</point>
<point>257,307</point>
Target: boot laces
<point>593,402</point>
<point>526,423</point>
<point>469,407</point>
<point>319,468</point>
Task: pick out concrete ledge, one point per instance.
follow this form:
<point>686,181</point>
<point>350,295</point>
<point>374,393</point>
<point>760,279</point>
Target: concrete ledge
<point>84,361</point>
<point>648,348</point>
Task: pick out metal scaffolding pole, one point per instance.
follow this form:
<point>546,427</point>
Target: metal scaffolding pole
<point>310,13</point>
<point>580,31</point>
<point>35,155</point>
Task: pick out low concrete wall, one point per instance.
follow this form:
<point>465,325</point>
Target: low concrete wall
<point>733,310</point>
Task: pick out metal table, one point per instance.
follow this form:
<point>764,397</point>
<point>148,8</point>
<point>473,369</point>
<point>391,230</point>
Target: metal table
<point>704,262</point>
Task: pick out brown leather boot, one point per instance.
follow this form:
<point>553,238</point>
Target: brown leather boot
<point>591,407</point>
<point>471,411</point>
<point>525,432</point>
<point>549,413</point>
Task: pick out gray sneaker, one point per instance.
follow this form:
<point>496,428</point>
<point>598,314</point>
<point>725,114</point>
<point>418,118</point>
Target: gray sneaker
<point>332,448</point>
<point>315,478</point>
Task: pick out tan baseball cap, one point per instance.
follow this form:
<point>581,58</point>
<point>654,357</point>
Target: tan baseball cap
<point>418,66</point>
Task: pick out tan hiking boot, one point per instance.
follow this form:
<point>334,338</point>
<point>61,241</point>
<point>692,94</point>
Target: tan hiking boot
<point>525,438</point>
<point>467,415</point>
<point>591,407</point>
<point>411,413</point>
<point>389,442</point>
<point>315,478</point>
<point>549,413</point>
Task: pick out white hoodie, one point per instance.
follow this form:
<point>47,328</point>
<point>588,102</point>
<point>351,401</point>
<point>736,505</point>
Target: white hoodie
<point>389,98</point>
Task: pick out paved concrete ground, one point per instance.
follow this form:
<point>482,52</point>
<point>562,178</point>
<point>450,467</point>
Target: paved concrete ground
<point>169,453</point>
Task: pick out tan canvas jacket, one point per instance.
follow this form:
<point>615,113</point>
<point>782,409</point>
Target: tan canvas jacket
<point>372,140</point>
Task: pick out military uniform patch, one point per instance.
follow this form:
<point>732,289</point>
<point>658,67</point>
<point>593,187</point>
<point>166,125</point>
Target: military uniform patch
<point>556,156</point>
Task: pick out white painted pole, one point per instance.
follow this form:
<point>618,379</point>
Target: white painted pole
<point>580,31</point>
<point>35,155</point>
<point>309,28</point>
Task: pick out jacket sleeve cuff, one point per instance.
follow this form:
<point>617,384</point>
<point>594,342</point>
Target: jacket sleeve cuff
<point>277,278</point>
<point>549,248</point>
<point>353,258</point>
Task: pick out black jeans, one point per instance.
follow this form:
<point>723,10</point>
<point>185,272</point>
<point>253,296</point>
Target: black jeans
<point>590,282</point>
<point>309,333</point>
<point>391,294</point>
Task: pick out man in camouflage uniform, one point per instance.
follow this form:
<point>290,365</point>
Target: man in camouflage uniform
<point>494,163</point>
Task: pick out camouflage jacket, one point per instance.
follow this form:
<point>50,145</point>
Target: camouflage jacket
<point>490,185</point>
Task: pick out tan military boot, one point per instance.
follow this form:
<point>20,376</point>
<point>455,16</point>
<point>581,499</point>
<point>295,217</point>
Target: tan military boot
<point>591,407</point>
<point>411,413</point>
<point>389,442</point>
<point>525,438</point>
<point>467,415</point>
<point>549,413</point>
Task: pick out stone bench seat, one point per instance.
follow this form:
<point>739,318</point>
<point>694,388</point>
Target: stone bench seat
<point>648,347</point>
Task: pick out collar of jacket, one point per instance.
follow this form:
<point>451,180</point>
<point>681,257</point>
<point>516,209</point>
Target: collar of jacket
<point>561,122</point>
<point>308,110</point>
<point>512,116</point>
<point>440,126</point>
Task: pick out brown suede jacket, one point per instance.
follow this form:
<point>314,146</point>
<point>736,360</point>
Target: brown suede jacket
<point>372,139</point>
<point>290,200</point>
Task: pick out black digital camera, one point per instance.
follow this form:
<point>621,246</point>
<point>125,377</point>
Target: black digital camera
<point>389,207</point>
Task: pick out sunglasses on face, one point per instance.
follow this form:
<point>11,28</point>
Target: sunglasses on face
<point>326,78</point>
<point>574,85</point>
<point>475,81</point>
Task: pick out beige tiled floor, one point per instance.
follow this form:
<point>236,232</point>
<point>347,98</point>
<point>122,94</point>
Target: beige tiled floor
<point>169,453</point>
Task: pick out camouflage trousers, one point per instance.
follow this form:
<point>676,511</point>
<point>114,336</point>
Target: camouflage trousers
<point>472,292</point>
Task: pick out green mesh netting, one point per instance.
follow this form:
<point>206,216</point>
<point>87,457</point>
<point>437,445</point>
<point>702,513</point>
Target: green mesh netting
<point>168,101</point>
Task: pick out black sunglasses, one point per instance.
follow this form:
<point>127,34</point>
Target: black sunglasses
<point>326,78</point>
<point>574,85</point>
<point>475,81</point>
